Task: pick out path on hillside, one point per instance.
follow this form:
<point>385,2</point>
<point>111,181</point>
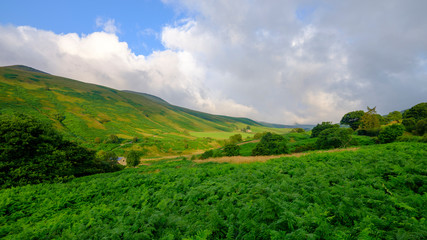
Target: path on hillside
<point>250,159</point>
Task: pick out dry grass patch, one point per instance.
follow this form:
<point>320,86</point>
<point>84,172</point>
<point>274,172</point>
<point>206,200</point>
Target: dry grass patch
<point>251,159</point>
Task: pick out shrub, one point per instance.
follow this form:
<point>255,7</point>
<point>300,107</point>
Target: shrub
<point>322,126</point>
<point>271,144</point>
<point>334,138</point>
<point>231,150</point>
<point>390,133</point>
<point>112,139</point>
<point>207,154</point>
<point>132,158</point>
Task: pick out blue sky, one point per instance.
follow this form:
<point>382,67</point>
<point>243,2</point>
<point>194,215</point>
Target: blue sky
<point>293,61</point>
<point>139,21</point>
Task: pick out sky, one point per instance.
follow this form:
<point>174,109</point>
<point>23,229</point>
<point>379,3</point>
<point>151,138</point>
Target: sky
<point>277,61</point>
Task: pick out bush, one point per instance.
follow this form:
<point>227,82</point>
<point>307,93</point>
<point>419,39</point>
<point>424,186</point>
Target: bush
<point>207,154</point>
<point>334,138</point>
<point>322,126</point>
<point>271,144</point>
<point>231,150</point>
<point>132,158</point>
<point>390,133</point>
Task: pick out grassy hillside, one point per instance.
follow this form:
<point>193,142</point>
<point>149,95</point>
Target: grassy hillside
<point>86,112</point>
<point>377,192</point>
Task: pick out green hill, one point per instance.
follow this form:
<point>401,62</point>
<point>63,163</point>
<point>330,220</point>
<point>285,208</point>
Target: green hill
<point>91,113</point>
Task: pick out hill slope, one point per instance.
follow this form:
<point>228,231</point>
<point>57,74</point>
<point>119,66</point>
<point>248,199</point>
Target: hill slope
<point>87,111</point>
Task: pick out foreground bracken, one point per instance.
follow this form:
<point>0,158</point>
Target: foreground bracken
<point>376,192</point>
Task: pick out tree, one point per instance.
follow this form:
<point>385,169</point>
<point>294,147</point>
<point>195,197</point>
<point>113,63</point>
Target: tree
<point>322,126</point>
<point>421,127</point>
<point>231,150</point>
<point>113,139</point>
<point>370,119</point>
<point>133,158</point>
<point>271,143</point>
<point>353,119</point>
<point>235,138</point>
<point>409,124</point>
<point>390,133</point>
<point>31,152</point>
<point>394,116</point>
<point>417,112</point>
<point>207,154</point>
<point>334,138</point>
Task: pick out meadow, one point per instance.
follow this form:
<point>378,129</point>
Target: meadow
<point>375,192</point>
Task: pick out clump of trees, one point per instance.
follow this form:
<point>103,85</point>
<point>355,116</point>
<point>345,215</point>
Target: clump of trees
<point>415,119</point>
<point>322,126</point>
<point>270,144</point>
<point>353,119</point>
<point>390,133</point>
<point>32,152</point>
<point>231,150</point>
<point>334,138</point>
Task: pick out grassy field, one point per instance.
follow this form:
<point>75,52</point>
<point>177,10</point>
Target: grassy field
<point>219,135</point>
<point>376,192</point>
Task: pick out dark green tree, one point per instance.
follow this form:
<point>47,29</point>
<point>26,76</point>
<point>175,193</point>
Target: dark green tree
<point>353,119</point>
<point>33,152</point>
<point>417,112</point>
<point>409,124</point>
<point>235,138</point>
<point>390,133</point>
<point>270,144</point>
<point>394,116</point>
<point>231,150</point>
<point>207,154</point>
<point>322,126</point>
<point>334,138</point>
<point>421,127</point>
<point>133,158</point>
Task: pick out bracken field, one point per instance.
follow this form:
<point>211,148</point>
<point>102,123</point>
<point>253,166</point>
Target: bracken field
<point>375,192</point>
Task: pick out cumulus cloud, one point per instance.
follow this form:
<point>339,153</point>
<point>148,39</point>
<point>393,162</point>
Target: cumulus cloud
<point>278,61</point>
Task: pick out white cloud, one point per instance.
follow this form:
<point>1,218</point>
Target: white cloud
<point>108,26</point>
<point>264,60</point>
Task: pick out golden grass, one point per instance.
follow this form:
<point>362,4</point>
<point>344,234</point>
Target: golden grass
<point>251,159</point>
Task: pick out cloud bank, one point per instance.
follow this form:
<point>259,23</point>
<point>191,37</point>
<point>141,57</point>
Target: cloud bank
<point>284,62</point>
